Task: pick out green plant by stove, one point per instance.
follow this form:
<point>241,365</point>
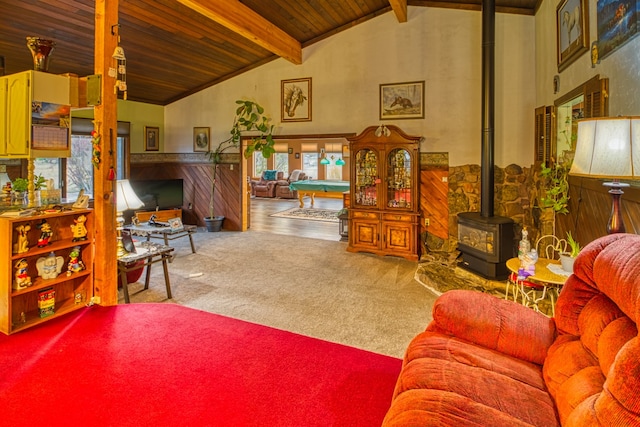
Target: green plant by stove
<point>556,187</point>
<point>249,117</point>
<point>575,246</point>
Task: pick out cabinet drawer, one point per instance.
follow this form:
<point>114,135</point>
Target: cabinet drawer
<point>364,215</point>
<point>397,217</point>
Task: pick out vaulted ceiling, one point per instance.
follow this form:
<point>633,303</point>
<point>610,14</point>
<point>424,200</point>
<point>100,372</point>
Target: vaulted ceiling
<point>177,47</point>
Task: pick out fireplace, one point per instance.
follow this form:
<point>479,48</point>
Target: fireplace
<point>486,243</point>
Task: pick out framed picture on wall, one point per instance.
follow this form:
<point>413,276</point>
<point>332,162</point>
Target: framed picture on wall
<point>151,138</point>
<point>201,139</point>
<point>296,100</point>
<point>402,100</point>
<point>617,24</point>
<point>572,31</point>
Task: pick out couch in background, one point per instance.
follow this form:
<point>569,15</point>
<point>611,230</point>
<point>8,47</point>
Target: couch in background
<point>487,361</point>
<point>282,186</point>
<point>266,185</point>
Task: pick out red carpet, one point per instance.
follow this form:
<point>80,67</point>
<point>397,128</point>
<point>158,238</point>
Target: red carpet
<point>167,365</point>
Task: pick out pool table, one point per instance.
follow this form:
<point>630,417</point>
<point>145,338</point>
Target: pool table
<point>312,187</point>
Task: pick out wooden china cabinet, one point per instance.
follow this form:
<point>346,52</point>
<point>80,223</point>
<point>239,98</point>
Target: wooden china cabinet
<point>384,215</point>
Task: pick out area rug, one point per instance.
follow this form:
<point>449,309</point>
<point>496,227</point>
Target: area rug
<point>312,214</point>
<point>168,365</point>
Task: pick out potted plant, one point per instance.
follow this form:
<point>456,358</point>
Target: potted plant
<point>249,117</point>
<point>567,258</point>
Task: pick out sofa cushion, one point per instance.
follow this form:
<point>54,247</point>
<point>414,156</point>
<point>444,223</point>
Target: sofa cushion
<point>483,386</point>
<point>270,175</point>
<point>424,407</point>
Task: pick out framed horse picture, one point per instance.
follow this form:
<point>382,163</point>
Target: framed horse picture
<point>572,29</point>
<point>296,100</point>
<point>402,100</point>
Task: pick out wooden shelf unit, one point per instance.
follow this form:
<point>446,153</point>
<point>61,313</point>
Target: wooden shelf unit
<point>19,308</point>
<point>384,215</point>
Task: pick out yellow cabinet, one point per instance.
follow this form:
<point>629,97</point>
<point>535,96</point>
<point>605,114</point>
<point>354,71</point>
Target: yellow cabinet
<point>35,112</point>
<point>384,199</point>
<point>3,116</point>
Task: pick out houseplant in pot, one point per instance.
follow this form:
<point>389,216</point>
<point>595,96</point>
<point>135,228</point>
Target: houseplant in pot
<point>567,258</point>
<point>249,117</point>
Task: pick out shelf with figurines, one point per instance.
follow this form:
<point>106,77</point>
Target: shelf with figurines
<point>48,253</point>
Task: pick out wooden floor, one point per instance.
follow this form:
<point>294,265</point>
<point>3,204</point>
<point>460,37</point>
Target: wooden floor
<point>261,221</point>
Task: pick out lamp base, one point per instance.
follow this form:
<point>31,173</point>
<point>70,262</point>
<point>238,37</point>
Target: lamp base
<point>616,223</point>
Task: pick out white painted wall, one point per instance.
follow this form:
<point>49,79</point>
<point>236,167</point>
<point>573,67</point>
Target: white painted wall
<point>622,67</point>
<point>440,46</point>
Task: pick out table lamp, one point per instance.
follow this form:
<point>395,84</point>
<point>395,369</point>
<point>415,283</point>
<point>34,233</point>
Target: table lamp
<point>609,148</point>
<point>126,199</point>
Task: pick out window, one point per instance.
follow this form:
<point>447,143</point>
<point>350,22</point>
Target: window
<point>76,173</point>
<point>282,163</point>
<point>333,171</point>
<point>310,164</point>
<point>259,164</point>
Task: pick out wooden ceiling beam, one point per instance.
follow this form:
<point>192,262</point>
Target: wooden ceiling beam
<point>239,18</point>
<point>400,9</point>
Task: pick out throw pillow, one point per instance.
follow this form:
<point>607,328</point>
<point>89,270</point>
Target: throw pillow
<point>294,175</point>
<point>270,175</point>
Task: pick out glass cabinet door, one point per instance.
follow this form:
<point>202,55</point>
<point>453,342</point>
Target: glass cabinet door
<point>399,183</point>
<point>366,178</point>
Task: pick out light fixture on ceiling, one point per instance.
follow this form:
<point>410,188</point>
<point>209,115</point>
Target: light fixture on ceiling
<point>126,199</point>
<point>340,162</point>
<point>609,148</point>
<point>325,161</point>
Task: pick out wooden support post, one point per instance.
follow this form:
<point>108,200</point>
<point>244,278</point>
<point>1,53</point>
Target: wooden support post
<point>105,122</point>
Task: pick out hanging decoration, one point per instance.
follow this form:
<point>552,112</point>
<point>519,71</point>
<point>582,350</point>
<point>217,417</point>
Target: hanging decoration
<point>119,68</point>
<point>95,143</point>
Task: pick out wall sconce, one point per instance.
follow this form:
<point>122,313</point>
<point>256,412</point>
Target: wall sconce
<point>609,148</point>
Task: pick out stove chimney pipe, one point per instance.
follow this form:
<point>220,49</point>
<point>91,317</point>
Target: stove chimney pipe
<point>488,107</point>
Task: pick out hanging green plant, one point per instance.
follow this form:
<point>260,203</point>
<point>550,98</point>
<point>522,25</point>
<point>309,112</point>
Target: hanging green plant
<point>556,187</point>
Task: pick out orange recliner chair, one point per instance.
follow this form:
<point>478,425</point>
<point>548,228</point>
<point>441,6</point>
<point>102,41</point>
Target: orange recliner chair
<point>487,361</point>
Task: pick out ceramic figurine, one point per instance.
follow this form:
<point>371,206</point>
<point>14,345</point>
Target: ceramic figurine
<point>22,278</point>
<point>78,228</point>
<point>22,245</point>
<point>50,266</point>
<point>75,263</point>
<point>45,234</point>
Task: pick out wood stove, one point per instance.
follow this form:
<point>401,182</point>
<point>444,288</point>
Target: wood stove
<point>485,240</point>
<point>486,243</point>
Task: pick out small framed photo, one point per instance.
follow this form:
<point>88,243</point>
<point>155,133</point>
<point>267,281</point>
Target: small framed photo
<point>151,138</point>
<point>201,141</point>
<point>572,29</point>
<point>402,100</point>
<point>290,150</point>
<point>297,155</point>
<point>175,224</point>
<point>296,100</point>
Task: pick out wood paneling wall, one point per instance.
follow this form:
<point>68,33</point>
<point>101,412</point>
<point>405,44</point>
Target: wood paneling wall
<point>196,185</point>
<point>590,208</point>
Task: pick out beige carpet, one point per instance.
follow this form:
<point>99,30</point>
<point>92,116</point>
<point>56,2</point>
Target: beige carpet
<point>308,286</point>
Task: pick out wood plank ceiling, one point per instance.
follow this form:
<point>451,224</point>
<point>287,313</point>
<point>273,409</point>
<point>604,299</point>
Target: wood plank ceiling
<point>173,50</point>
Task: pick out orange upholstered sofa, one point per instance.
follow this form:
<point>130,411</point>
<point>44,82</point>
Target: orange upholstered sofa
<point>485,361</point>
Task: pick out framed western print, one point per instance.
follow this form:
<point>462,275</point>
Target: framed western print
<point>296,100</point>
<point>402,100</point>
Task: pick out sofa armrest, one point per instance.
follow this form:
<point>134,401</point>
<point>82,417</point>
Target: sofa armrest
<point>494,323</point>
